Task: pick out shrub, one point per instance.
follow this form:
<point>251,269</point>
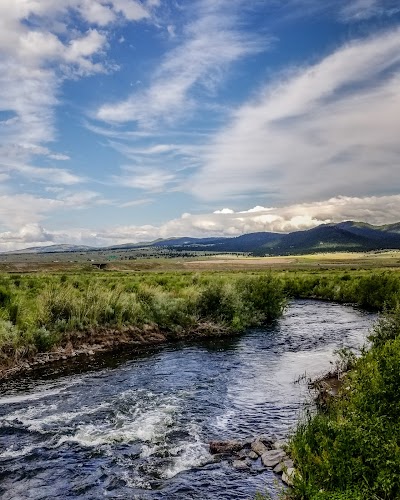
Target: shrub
<point>218,302</point>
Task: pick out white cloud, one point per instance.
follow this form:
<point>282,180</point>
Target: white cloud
<point>133,11</point>
<point>211,43</point>
<point>97,13</point>
<point>136,203</point>
<point>59,157</point>
<point>153,3</point>
<point>359,10</point>
<point>30,233</point>
<point>18,210</point>
<point>49,175</point>
<point>150,180</point>
<point>171,30</point>
<point>36,57</point>
<point>326,129</point>
<point>22,209</point>
<point>29,211</point>
<point>224,211</point>
<point>156,153</point>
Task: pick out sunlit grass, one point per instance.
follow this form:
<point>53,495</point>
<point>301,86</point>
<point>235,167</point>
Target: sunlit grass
<point>40,312</point>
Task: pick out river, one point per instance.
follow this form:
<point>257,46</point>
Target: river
<point>138,426</point>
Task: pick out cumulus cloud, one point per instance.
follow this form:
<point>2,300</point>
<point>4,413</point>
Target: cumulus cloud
<point>30,233</point>
<point>329,128</point>
<point>210,44</point>
<point>39,49</point>
<point>223,222</point>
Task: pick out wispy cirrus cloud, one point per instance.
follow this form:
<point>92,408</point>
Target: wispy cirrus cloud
<point>150,180</point>
<point>328,128</point>
<point>209,45</point>
<point>25,209</point>
<point>42,174</point>
<point>359,10</point>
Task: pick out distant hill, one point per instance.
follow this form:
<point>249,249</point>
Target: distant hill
<point>54,249</point>
<point>344,236</point>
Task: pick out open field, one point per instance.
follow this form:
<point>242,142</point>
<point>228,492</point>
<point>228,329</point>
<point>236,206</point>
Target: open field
<point>197,261</point>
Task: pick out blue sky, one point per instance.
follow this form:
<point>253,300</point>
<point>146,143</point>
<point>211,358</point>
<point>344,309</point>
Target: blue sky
<point>124,120</point>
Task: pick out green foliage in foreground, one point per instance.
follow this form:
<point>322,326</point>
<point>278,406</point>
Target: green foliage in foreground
<point>352,450</point>
<point>37,313</point>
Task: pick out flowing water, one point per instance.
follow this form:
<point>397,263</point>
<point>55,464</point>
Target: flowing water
<point>138,427</point>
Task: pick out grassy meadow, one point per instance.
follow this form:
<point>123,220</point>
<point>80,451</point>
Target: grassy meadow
<point>41,312</point>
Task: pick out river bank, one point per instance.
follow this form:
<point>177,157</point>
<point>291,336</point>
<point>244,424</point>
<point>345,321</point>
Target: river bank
<point>44,319</point>
<point>349,448</point>
<point>107,341</point>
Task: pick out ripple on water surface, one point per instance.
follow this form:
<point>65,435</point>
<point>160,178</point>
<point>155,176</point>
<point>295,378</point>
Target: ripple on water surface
<point>140,428</point>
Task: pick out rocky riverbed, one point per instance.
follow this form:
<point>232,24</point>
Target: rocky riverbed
<point>257,453</point>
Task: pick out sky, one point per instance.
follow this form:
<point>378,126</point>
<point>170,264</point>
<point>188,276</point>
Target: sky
<point>127,120</point>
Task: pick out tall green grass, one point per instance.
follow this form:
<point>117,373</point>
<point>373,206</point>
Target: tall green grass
<point>372,290</point>
<point>38,313</point>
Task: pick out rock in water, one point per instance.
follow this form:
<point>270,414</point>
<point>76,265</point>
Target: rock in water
<point>247,442</point>
<point>224,447</point>
<point>287,464</point>
<point>243,453</point>
<point>240,464</point>
<point>280,445</point>
<point>267,440</point>
<point>273,457</point>
<point>258,447</point>
<point>253,455</point>
<point>287,477</point>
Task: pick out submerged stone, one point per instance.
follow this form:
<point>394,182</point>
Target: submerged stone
<point>224,447</point>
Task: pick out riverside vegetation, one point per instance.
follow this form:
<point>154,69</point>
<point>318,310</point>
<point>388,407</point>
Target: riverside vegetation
<point>348,450</point>
<point>41,313</point>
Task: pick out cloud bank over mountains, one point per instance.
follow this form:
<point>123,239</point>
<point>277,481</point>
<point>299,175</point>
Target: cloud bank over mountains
<point>224,222</point>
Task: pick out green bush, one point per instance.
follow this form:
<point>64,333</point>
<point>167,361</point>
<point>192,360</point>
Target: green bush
<point>386,329</point>
<point>217,302</point>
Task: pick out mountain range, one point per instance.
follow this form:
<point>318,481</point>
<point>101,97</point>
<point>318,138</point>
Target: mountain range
<point>344,236</point>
